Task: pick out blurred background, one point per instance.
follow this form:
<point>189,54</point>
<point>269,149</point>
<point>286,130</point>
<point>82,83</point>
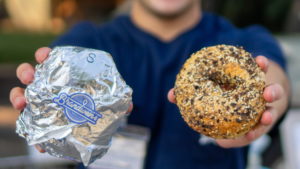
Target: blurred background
<point>28,25</point>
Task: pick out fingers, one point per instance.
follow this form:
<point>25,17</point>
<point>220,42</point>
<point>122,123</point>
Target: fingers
<point>41,54</point>
<point>257,132</point>
<point>262,62</point>
<point>244,140</point>
<point>39,148</point>
<point>266,118</point>
<point>273,92</point>
<point>25,73</point>
<point>266,123</point>
<point>262,128</point>
<point>17,98</point>
<point>231,143</point>
<point>171,96</point>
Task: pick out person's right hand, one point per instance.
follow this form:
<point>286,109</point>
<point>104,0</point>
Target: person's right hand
<point>25,73</point>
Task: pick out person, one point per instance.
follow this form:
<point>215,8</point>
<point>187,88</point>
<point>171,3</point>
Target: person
<point>149,46</point>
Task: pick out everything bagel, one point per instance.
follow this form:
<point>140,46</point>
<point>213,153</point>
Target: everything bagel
<point>219,91</point>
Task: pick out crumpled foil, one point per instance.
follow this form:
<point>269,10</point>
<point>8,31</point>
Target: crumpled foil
<point>75,104</point>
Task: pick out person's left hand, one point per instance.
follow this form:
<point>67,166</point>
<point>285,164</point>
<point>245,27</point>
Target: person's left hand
<point>272,93</point>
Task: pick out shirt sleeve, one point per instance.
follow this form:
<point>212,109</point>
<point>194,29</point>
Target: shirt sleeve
<point>82,34</point>
<point>259,41</point>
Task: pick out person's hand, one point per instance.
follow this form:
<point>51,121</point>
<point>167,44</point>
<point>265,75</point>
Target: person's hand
<point>25,73</point>
<point>272,93</point>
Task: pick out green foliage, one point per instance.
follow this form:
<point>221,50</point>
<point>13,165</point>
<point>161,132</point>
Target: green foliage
<point>269,13</point>
<point>20,47</point>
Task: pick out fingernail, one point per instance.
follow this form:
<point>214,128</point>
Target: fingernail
<point>273,94</point>
<point>266,62</point>
<point>18,99</point>
<point>26,75</point>
<point>18,102</point>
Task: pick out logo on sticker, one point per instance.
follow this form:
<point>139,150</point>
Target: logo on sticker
<point>79,108</point>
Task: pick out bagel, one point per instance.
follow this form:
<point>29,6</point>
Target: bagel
<point>219,92</point>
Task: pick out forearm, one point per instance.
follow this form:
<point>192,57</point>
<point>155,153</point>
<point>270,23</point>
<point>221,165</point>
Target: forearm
<point>275,75</point>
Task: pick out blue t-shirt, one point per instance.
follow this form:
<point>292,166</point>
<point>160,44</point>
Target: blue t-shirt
<point>150,65</point>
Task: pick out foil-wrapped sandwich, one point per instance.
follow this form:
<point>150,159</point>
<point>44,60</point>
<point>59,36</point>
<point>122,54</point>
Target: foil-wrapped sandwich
<point>75,104</point>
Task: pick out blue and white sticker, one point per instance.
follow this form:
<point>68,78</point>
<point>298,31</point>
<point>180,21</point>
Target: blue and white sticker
<point>79,108</point>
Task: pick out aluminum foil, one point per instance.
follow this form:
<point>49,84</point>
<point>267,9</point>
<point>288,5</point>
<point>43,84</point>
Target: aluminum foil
<point>75,104</point>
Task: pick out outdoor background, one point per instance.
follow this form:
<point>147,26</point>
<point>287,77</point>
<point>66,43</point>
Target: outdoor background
<point>26,25</point>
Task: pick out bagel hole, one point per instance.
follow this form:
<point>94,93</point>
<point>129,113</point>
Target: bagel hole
<point>227,86</point>
<point>224,82</point>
